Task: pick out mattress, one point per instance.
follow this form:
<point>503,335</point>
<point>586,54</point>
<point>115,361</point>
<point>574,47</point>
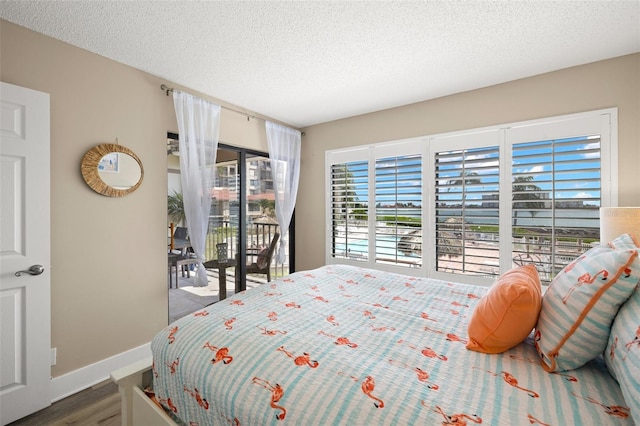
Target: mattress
<point>346,345</point>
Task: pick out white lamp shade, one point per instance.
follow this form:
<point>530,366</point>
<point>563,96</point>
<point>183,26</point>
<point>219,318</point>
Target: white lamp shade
<point>615,221</point>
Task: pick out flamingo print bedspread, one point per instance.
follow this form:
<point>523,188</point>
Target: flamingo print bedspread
<point>352,346</point>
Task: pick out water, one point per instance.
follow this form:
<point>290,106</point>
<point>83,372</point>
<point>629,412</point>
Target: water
<point>570,218</point>
<point>386,247</point>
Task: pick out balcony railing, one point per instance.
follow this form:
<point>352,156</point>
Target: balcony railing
<point>259,235</point>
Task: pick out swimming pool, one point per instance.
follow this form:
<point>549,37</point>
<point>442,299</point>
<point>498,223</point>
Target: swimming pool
<point>386,249</point>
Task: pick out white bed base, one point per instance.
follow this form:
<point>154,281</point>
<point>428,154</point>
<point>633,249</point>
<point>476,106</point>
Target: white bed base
<point>137,408</point>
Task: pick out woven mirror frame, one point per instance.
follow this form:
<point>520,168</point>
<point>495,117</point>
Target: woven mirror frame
<point>90,172</point>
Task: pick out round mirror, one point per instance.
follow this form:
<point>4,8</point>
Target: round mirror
<point>112,170</point>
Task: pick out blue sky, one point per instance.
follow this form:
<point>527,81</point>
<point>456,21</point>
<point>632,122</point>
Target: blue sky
<point>576,175</point>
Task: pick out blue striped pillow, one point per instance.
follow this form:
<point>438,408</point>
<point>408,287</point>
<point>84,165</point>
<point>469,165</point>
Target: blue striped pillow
<point>622,354</point>
<point>580,305</point>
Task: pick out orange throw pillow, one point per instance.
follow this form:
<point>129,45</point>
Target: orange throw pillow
<point>505,316</point>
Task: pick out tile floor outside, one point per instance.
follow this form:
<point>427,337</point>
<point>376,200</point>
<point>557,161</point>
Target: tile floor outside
<point>186,299</point>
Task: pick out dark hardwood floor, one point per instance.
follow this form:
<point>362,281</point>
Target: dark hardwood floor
<point>98,405</point>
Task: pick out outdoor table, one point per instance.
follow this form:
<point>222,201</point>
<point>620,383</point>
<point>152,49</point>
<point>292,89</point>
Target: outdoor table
<point>222,275</point>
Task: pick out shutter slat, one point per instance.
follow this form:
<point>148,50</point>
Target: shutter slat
<point>398,200</point>
<point>558,207</point>
<point>467,204</point>
<point>349,182</point>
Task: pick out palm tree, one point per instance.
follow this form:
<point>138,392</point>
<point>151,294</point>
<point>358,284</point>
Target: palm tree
<point>464,179</point>
<point>346,197</point>
<point>175,208</point>
<point>454,243</point>
<point>525,195</point>
<point>268,207</point>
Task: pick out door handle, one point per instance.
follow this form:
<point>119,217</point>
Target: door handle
<point>33,270</point>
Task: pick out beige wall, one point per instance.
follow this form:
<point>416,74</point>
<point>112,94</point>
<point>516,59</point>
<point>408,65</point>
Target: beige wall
<point>611,83</point>
<point>109,277</point>
<point>109,282</point>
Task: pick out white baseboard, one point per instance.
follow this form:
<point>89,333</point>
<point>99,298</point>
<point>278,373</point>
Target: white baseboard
<point>82,378</point>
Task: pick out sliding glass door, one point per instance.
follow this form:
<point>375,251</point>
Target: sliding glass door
<point>261,226</point>
<point>242,227</point>
<point>248,181</point>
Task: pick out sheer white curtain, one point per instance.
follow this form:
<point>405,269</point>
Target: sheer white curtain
<point>284,153</point>
<point>198,130</point>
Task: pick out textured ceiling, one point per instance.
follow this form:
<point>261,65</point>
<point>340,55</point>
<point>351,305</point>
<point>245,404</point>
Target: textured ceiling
<point>305,63</point>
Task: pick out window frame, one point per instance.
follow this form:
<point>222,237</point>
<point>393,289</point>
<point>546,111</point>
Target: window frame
<point>370,153</point>
<point>469,140</point>
<point>603,122</point>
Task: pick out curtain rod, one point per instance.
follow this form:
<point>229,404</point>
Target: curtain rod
<point>168,90</point>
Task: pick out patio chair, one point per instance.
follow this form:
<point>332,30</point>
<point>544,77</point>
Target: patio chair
<point>263,257</point>
<point>180,240</point>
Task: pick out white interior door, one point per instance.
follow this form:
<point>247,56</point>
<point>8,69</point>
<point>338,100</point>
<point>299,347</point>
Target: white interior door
<point>25,300</point>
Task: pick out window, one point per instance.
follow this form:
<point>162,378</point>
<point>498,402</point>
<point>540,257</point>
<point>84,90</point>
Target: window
<point>475,203</point>
<point>556,199</point>
<point>349,210</point>
<point>387,231</point>
<point>398,225</point>
<point>467,210</point>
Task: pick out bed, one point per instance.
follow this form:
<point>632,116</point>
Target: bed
<point>347,345</point>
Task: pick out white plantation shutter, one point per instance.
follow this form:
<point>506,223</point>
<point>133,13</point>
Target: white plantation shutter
<point>398,195</point>
<point>557,189</point>
<point>349,204</point>
<point>467,210</point>
<point>468,206</point>
<point>375,205</point>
